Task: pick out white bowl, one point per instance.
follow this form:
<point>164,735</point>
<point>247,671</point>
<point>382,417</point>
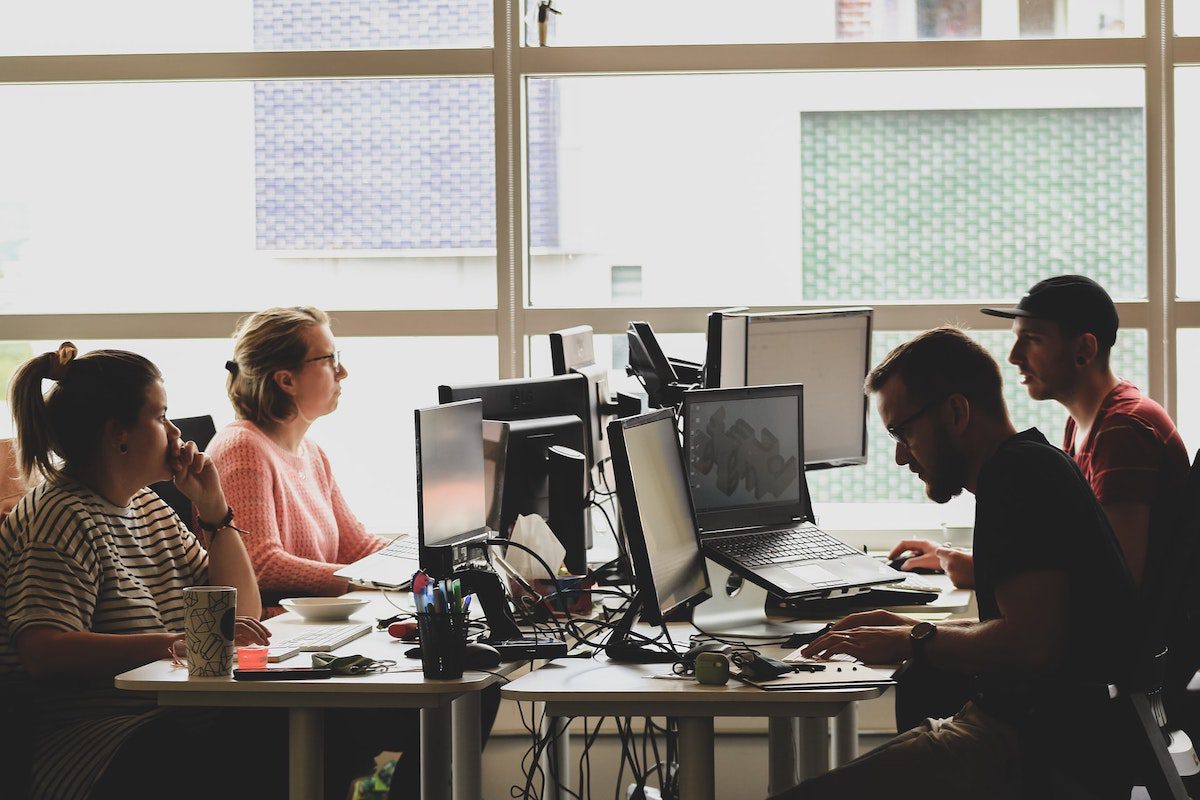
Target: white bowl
<point>323,609</point>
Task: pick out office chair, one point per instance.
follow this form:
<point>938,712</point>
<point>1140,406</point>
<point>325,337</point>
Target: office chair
<point>200,430</point>
<point>16,744</point>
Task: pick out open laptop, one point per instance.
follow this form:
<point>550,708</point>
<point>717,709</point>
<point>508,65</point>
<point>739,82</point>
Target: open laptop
<point>394,565</point>
<point>744,450</point>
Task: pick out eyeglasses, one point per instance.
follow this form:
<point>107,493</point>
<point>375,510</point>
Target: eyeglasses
<point>335,358</point>
<point>897,431</point>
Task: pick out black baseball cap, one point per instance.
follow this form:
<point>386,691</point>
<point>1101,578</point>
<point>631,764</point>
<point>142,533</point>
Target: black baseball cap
<point>1077,301</point>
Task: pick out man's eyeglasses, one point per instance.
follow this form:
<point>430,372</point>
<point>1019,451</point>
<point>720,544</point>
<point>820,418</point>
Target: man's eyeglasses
<point>898,431</point>
<point>335,359</point>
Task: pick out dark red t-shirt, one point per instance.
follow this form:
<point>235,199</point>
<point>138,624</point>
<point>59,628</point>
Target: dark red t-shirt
<point>1133,452</point>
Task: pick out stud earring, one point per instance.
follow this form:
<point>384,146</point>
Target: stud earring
<point>124,448</point>
<point>1080,360</point>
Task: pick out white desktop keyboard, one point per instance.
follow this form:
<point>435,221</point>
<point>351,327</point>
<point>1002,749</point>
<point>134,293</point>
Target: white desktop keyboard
<point>323,639</point>
<point>918,583</point>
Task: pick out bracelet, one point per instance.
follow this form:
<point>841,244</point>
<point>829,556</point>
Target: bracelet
<point>213,528</point>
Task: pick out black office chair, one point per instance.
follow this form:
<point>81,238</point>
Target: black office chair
<point>200,430</point>
<point>16,744</point>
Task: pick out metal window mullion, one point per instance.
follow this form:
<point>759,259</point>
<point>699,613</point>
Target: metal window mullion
<point>949,54</point>
<point>245,66</point>
<point>1160,202</point>
<point>1186,50</point>
<point>220,324</point>
<point>510,213</point>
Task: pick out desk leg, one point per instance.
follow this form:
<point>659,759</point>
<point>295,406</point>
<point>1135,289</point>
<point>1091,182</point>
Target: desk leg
<point>468,737</point>
<point>697,776</point>
<point>436,746</point>
<point>814,747</point>
<point>306,753</point>
<point>556,758</point>
<point>845,735</point>
<point>783,734</point>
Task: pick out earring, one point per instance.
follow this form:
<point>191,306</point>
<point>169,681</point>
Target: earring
<point>124,448</point>
<point>1080,360</point>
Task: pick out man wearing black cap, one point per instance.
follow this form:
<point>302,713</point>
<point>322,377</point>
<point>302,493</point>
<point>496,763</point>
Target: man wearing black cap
<point>1124,443</point>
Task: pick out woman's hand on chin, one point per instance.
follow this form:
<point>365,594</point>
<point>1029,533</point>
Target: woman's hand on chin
<point>195,476</point>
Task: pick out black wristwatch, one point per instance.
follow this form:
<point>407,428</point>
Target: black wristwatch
<point>920,635</point>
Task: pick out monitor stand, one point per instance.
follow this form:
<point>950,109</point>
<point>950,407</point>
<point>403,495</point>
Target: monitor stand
<point>743,613</point>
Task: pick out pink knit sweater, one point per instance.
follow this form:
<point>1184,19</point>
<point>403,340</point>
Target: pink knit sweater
<point>299,528</point>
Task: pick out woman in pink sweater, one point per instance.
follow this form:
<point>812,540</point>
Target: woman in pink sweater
<point>285,373</point>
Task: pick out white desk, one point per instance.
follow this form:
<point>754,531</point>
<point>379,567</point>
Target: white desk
<point>450,715</point>
<point>597,687</point>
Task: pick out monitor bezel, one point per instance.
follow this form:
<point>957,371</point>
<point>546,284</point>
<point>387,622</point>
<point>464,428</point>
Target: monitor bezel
<point>466,537</point>
<point>827,313</point>
<point>635,536</point>
<point>743,516</point>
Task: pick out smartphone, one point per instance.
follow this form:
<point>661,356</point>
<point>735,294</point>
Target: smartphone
<point>282,674</point>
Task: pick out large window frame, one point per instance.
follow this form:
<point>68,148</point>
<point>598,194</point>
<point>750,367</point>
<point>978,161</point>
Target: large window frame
<point>509,63</point>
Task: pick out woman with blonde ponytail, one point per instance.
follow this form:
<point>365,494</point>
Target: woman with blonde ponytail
<point>92,569</point>
<point>286,373</point>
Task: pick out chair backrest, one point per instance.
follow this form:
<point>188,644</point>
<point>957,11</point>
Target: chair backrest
<point>12,485</point>
<point>200,430</point>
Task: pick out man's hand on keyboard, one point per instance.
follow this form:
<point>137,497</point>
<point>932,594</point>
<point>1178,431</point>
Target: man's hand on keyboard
<point>878,617</point>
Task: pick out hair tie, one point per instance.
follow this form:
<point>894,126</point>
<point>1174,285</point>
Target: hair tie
<point>232,366</point>
<point>59,360</point>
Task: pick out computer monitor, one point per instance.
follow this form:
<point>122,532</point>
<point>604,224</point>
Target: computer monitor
<point>656,509</point>
<point>826,350</point>
<point>572,351</point>
<point>665,379</point>
<point>495,456</point>
<point>541,413</point>
<point>451,506</point>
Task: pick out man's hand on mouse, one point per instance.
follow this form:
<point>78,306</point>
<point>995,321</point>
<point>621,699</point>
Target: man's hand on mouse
<point>922,554</point>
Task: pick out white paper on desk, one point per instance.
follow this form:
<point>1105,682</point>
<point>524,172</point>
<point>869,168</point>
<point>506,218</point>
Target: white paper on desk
<point>533,532</point>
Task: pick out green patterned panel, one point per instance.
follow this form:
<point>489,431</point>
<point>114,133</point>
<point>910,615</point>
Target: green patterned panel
<point>953,205</point>
<point>881,481</point>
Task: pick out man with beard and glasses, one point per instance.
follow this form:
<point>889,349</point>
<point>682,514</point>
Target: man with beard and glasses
<point>1124,443</point>
<point>1051,584</point>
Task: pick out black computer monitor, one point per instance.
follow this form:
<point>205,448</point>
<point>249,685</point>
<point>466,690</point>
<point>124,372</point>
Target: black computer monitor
<point>541,413</point>
<point>451,486</point>
<point>826,350</point>
<point>659,523</point>
<point>572,351</point>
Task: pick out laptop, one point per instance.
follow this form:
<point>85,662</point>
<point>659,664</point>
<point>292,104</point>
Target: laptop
<point>744,450</point>
<point>393,566</point>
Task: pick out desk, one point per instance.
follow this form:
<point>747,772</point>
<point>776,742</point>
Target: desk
<point>597,687</point>
<point>450,717</point>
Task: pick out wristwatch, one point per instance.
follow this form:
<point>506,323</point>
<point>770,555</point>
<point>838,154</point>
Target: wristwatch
<point>920,635</point>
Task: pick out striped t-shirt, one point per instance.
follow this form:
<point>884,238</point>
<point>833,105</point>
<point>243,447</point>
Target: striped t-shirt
<point>72,561</point>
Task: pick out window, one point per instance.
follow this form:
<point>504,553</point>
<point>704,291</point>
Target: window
<point>626,22</point>
<point>842,187</point>
<point>451,191</point>
<point>369,439</point>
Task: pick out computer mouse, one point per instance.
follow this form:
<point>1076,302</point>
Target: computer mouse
<point>898,562</point>
<point>481,656</point>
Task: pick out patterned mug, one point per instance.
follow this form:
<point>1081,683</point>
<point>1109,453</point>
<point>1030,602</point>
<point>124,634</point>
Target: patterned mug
<point>209,613</point>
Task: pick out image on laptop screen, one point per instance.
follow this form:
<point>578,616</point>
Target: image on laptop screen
<point>744,452</point>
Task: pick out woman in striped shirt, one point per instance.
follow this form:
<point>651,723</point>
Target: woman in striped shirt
<point>92,566</point>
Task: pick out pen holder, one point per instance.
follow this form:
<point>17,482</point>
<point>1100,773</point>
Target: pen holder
<point>443,638</point>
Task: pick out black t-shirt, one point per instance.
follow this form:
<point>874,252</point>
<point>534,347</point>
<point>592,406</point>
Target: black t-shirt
<point>1035,511</point>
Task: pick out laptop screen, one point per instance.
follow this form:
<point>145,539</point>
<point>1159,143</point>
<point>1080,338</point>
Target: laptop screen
<point>745,455</point>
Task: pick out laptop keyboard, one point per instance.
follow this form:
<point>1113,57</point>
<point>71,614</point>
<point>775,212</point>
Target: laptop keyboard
<point>325,638</point>
<point>403,547</point>
<point>803,543</point>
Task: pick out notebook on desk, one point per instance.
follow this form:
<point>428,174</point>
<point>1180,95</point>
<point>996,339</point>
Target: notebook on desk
<point>744,450</point>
